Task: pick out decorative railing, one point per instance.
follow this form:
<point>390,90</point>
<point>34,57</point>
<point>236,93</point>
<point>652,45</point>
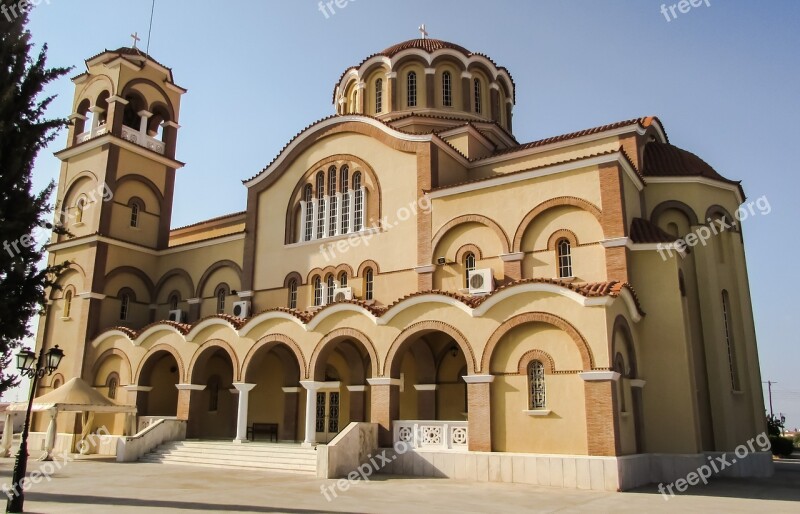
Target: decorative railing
<point>128,134</point>
<point>91,134</point>
<point>441,435</point>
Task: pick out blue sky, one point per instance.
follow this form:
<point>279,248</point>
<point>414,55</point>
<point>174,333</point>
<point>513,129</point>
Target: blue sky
<point>723,78</point>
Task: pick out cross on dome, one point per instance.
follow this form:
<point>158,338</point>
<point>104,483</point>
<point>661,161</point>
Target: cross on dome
<point>423,31</point>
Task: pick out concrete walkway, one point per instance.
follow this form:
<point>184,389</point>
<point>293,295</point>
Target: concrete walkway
<point>93,485</point>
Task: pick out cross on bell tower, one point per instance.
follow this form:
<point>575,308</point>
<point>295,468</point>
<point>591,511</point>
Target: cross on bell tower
<point>136,39</point>
<point>423,31</point>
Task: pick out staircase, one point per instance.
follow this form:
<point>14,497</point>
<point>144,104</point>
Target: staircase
<point>280,458</point>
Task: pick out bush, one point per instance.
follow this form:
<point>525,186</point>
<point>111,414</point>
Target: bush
<point>797,440</point>
<point>781,446</point>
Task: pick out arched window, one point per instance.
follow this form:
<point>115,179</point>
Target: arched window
<point>293,294</point>
<point>478,96</point>
<point>378,96</point>
<point>173,302</point>
<point>80,205</point>
<point>358,214</point>
<point>309,228</point>
<point>469,266</point>
<point>343,279</point>
<point>563,249</point>
<point>368,284</point>
<point>320,205</point>
<point>330,284</point>
<point>332,201</point>
<point>57,383</point>
<point>727,318</point>
<point>221,295</point>
<point>124,307</point>
<point>67,304</point>
<point>317,291</point>
<point>411,98</point>
<point>536,386</point>
<point>134,214</point>
<point>447,89</point>
<point>112,383</point>
<point>344,184</point>
<point>619,367</point>
<point>213,393</point>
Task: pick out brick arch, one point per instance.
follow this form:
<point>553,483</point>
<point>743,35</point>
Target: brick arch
<point>214,267</point>
<point>293,275</point>
<point>327,344</point>
<point>343,267</point>
<point>368,264</point>
<point>410,334</point>
<point>108,353</point>
<point>471,218</point>
<point>468,248</point>
<point>562,234</point>
<point>561,201</point>
<point>219,343</point>
<point>537,317</point>
<point>536,355</point>
<point>269,341</point>
<point>154,350</point>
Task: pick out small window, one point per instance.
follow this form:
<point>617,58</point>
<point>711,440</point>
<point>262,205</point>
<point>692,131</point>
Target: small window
<point>173,302</point>
<point>469,266</point>
<point>309,228</point>
<point>67,304</point>
<point>134,215</point>
<point>563,248</point>
<point>317,291</point>
<point>125,304</point>
<point>727,318</point>
<point>221,295</point>
<point>378,96</point>
<point>79,207</point>
<point>368,284</point>
<point>57,383</point>
<point>447,89</point>
<point>536,386</point>
<point>343,279</point>
<point>619,367</point>
<point>320,185</point>
<point>112,384</point>
<point>411,98</point>
<point>293,294</point>
<point>358,215</point>
<point>478,96</point>
<point>213,393</point>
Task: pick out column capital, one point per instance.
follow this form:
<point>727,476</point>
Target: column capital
<point>478,379</point>
<point>426,387</point>
<point>357,388</point>
<point>190,387</point>
<point>242,387</point>
<point>137,388</point>
<point>384,381</point>
<point>291,389</point>
<point>512,257</point>
<point>115,98</point>
<point>194,301</point>
<point>638,382</point>
<point>144,113</point>
<point>599,376</point>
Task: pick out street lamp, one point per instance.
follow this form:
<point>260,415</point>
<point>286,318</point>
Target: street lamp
<point>34,368</point>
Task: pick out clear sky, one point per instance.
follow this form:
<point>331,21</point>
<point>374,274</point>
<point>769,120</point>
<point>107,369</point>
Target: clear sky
<point>723,78</point>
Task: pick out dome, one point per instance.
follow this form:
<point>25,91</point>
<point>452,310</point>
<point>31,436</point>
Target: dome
<point>666,160</point>
<point>428,45</point>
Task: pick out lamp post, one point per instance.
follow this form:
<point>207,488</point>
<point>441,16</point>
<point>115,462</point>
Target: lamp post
<point>34,368</point>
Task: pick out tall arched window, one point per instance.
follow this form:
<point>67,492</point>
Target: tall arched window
<point>447,89</point>
<point>317,291</point>
<point>343,279</point>
<point>378,96</point>
<point>221,295</point>
<point>563,250</point>
<point>309,228</point>
<point>536,386</point>
<point>80,205</point>
<point>332,201</point>
<point>330,284</point>
<point>67,304</point>
<point>727,318</point>
<point>619,367</point>
<point>368,284</point>
<point>478,95</point>
<point>411,98</point>
<point>469,266</point>
<point>344,184</point>
<point>124,307</point>
<point>293,294</point>
<point>134,214</point>
<point>358,214</point>
<point>320,205</point>
<point>213,393</point>
<point>173,302</point>
<point>112,384</point>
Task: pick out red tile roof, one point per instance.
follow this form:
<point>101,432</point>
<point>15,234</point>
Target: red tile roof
<point>665,160</point>
<point>643,231</point>
<point>218,218</point>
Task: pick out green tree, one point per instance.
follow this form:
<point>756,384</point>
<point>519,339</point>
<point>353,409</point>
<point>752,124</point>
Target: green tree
<point>24,131</point>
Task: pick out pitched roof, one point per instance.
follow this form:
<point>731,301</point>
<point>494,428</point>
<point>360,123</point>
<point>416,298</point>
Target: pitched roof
<point>643,231</point>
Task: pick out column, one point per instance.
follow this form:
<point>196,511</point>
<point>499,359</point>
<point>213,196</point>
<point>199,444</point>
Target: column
<point>302,229</point>
<point>96,112</point>
<point>602,424</point>
<point>512,265</point>
<point>357,396</point>
<point>8,436</point>
<point>185,399</point>
<point>426,401</point>
<point>145,117</point>
<point>494,90</point>
<point>385,407</point>
<point>364,210</point>
<point>137,396</point>
<point>50,438</point>
<point>311,411</point>
<point>479,414</point>
<point>467,92</point>
<point>351,210</point>
<point>241,423</point>
<point>324,206</point>
<point>314,209</point>
<point>291,400</point>
<point>430,87</point>
<point>391,91</point>
<point>194,308</point>
<point>338,230</point>
<point>130,424</point>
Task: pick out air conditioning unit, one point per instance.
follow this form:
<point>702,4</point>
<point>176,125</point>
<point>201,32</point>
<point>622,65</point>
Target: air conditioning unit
<point>241,309</point>
<point>342,293</point>
<point>177,315</point>
<point>481,282</point>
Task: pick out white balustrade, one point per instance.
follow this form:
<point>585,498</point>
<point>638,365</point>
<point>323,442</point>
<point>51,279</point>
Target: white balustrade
<point>441,435</point>
<point>128,134</point>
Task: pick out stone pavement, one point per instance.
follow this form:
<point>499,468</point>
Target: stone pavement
<point>95,485</point>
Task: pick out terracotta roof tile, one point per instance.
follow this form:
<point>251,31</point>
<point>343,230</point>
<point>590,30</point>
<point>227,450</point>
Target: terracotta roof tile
<point>665,160</point>
<point>643,231</point>
<point>218,218</point>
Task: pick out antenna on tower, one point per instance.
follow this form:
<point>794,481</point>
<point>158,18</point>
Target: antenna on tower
<point>150,30</point>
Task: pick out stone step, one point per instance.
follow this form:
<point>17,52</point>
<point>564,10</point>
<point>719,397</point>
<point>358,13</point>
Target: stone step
<point>309,460</point>
<point>243,448</point>
<point>309,470</point>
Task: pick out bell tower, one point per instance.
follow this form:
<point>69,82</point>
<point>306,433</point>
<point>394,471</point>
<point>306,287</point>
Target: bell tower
<point>114,196</point>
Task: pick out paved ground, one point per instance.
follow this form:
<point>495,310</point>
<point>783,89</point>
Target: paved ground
<point>102,486</point>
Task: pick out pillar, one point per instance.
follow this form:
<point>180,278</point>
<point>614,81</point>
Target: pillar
<point>430,88</point>
<point>8,436</point>
<point>291,401</point>
<point>391,91</point>
<point>602,425</point>
<point>479,412</point>
<point>50,438</point>
<point>116,112</point>
<point>385,407</point>
<point>144,118</point>
<point>311,388</point>
<point>241,419</point>
<point>357,395</point>
<point>194,308</point>
<point>96,112</point>
<point>130,424</point>
<point>466,92</point>
<point>512,265</point>
<point>185,399</point>
<point>426,401</point>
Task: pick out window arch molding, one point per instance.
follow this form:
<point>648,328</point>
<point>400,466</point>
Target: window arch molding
<point>221,304</point>
<point>558,235</point>
<point>373,208</point>
<point>471,248</point>
<point>536,355</point>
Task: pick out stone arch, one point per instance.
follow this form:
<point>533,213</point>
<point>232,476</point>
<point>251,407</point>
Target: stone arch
<point>328,343</point>
<point>219,343</point>
<point>226,263</point>
<point>157,349</point>
<point>145,182</point>
<point>98,362</point>
<point>141,275</point>
<point>674,205</point>
<point>587,358</point>
<point>269,341</point>
<point>175,272</point>
<point>551,204</point>
<point>540,355</point>
<point>293,275</point>
<point>407,336</point>
<point>471,218</point>
<point>368,264</point>
<point>716,210</point>
<point>165,101</point>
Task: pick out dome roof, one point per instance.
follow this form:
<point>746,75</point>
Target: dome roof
<point>666,160</point>
<point>428,45</point>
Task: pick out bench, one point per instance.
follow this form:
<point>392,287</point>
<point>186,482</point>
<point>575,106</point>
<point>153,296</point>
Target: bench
<point>270,429</point>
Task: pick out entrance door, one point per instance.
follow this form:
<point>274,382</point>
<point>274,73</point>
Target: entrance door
<point>327,423</point>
